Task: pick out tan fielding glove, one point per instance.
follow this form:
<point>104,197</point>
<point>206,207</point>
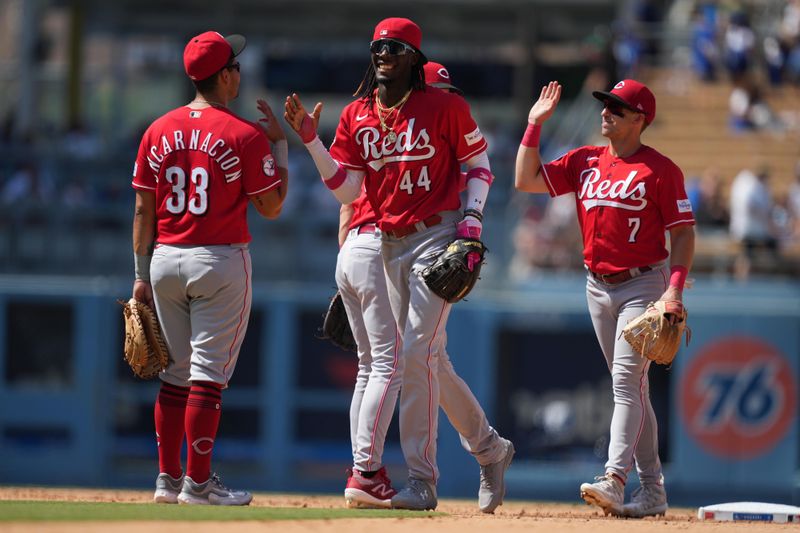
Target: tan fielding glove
<point>656,333</point>
<point>145,349</point>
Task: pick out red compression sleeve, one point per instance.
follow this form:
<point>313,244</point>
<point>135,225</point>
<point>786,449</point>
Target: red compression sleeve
<point>678,276</point>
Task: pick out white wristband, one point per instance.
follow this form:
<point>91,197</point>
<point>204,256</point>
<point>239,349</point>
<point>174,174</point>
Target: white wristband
<point>141,266</point>
<point>477,191</point>
<point>281,149</point>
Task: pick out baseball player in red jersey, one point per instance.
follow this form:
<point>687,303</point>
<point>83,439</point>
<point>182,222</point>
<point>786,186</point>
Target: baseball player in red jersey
<point>436,75</point>
<point>405,144</point>
<point>361,281</point>
<point>628,196</point>
<point>197,169</point>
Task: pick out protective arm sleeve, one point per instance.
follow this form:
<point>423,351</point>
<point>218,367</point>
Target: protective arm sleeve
<point>479,178</point>
<point>344,184</point>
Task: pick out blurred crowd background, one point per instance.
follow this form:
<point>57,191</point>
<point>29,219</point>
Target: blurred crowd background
<point>82,79</point>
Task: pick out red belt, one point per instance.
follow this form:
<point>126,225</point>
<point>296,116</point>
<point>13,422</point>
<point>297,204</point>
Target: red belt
<point>367,228</point>
<point>404,231</point>
<point>620,277</point>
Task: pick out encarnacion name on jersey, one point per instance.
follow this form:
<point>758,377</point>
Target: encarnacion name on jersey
<point>207,143</point>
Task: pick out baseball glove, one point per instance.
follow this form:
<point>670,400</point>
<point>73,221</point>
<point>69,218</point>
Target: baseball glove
<point>653,335</point>
<point>456,270</point>
<point>145,349</point>
<point>336,326</point>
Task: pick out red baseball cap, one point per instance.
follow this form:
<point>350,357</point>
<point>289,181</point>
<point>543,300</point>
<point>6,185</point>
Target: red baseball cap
<point>633,95</point>
<point>207,53</point>
<point>436,75</point>
<point>400,29</point>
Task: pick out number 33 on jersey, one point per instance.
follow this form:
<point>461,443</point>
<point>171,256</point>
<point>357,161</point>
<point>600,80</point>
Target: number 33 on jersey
<point>199,174</point>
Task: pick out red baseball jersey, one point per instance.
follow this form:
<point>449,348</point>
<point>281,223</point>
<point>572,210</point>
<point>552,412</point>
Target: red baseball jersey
<point>362,212</point>
<point>202,165</point>
<point>625,205</point>
<point>416,175</point>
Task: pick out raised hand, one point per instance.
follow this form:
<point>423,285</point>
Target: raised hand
<point>303,123</point>
<point>546,104</point>
<point>269,124</point>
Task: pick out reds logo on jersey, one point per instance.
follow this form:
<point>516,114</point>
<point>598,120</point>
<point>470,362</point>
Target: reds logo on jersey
<point>268,165</point>
<point>595,192</point>
<point>378,152</point>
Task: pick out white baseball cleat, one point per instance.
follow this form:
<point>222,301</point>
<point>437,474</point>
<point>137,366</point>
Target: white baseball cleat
<point>607,492</point>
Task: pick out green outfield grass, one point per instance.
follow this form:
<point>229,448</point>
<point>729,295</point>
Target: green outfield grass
<point>49,511</point>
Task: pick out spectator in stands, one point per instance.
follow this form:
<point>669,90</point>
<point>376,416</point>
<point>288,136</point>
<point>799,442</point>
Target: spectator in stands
<point>739,44</point>
<point>782,221</point>
<point>752,223</point>
<point>628,49</point>
<point>790,38</point>
<point>706,195</point>
<point>775,56</point>
<point>25,185</point>
<point>547,237</point>
<point>792,72</point>
<point>793,201</point>
<point>790,21</point>
<point>748,109</point>
<point>705,50</point>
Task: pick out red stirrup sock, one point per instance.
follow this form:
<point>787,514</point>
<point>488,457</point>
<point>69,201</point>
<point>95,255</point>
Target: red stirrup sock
<point>170,410</point>
<point>203,410</point>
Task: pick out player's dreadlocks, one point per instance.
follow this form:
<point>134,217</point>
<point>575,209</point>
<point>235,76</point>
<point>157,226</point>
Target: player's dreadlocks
<point>366,88</point>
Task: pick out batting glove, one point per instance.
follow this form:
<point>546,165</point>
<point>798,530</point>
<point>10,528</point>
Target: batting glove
<point>469,228</point>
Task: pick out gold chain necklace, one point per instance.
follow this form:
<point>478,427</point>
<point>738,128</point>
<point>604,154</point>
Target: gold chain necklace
<point>391,136</point>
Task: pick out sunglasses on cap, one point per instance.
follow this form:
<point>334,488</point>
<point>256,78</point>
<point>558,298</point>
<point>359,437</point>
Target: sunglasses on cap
<point>395,48</point>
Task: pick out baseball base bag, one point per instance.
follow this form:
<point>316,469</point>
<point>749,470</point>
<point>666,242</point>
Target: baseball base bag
<point>336,326</point>
<point>145,349</point>
<point>656,333</point>
<point>455,272</point>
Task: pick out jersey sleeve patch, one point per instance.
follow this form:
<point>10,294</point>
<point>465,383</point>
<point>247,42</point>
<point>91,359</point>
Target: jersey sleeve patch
<point>268,165</point>
<point>684,206</point>
<point>473,137</point>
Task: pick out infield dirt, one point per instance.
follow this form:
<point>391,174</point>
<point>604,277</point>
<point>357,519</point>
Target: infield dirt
<point>462,517</point>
